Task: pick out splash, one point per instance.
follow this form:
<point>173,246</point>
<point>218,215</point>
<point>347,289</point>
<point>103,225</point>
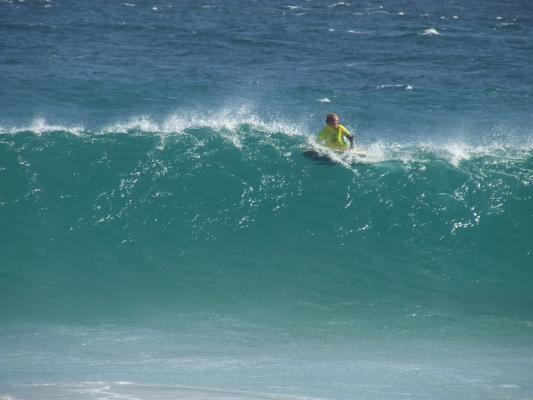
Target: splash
<point>40,126</point>
<point>228,119</point>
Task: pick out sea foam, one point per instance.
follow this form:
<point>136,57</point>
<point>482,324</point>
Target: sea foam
<point>430,32</point>
<point>40,125</point>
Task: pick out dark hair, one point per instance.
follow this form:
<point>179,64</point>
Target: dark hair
<point>330,117</point>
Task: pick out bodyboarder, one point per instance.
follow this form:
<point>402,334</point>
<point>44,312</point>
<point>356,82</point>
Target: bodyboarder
<point>333,134</point>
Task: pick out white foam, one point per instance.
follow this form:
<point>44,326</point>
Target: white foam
<point>451,151</point>
<point>227,119</point>
<point>290,7</point>
<point>143,123</point>
<point>380,151</point>
<point>324,100</point>
<point>334,156</point>
<point>504,24</point>
<point>340,3</point>
<point>133,391</point>
<point>230,119</point>
<point>456,152</point>
<point>395,85</point>
<point>430,32</point>
<point>388,86</point>
<point>40,126</point>
<point>509,386</point>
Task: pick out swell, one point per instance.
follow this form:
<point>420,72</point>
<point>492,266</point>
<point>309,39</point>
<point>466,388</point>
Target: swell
<point>232,218</point>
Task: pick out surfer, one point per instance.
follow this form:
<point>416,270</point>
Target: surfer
<point>334,133</point>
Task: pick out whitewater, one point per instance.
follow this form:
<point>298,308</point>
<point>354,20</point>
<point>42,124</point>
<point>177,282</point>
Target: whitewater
<point>163,235</point>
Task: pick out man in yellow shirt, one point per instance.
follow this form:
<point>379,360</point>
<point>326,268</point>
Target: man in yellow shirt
<point>334,133</point>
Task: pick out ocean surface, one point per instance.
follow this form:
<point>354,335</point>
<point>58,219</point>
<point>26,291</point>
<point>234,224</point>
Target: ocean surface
<point>162,235</point>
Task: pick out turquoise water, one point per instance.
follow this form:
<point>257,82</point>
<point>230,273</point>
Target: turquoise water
<point>164,237</point>
<point>219,258</point>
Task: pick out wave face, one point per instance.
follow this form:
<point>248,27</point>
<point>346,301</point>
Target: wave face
<point>232,218</point>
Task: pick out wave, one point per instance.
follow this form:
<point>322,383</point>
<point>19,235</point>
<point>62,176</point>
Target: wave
<point>223,212</point>
<point>40,125</point>
<point>234,119</point>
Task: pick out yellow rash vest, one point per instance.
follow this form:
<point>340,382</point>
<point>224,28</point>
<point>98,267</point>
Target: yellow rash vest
<point>334,137</point>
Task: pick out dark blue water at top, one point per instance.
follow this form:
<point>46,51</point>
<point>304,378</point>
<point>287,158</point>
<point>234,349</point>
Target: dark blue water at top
<point>389,68</point>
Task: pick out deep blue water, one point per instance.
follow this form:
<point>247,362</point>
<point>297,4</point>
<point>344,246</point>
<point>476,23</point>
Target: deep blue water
<point>163,236</point>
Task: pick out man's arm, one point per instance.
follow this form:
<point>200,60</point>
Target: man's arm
<point>350,137</point>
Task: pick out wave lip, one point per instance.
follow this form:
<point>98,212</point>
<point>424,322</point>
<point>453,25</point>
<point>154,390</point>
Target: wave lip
<point>40,126</point>
<point>227,119</point>
<point>236,124</point>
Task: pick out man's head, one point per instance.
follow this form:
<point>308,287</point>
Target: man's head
<point>332,120</point>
